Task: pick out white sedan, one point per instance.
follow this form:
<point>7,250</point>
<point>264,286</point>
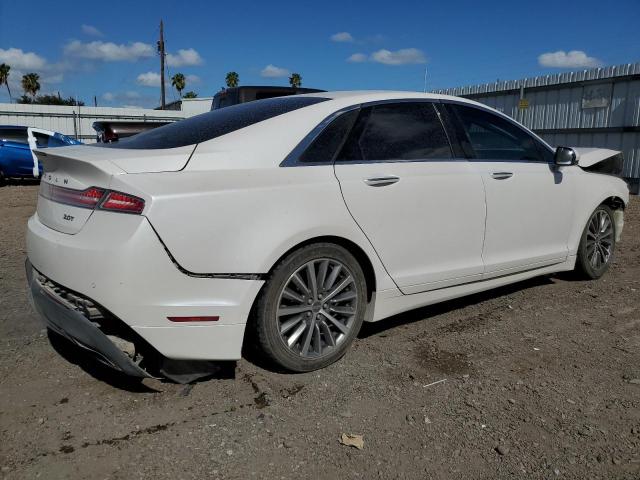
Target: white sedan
<point>285,223</point>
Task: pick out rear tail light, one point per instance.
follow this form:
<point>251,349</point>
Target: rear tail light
<point>88,198</point>
<point>121,202</point>
<point>93,198</point>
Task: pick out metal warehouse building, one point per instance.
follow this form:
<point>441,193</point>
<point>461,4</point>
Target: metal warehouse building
<point>590,108</point>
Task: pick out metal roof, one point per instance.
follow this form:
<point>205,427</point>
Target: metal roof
<point>545,80</point>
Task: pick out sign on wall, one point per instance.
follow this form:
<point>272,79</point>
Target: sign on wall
<point>596,96</point>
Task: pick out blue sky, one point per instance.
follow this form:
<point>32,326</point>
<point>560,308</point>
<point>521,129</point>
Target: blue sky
<point>108,49</point>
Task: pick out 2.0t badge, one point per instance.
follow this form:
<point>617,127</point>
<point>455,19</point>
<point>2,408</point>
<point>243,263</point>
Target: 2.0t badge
<point>68,217</point>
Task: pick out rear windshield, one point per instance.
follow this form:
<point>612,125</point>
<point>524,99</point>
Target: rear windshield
<point>213,124</point>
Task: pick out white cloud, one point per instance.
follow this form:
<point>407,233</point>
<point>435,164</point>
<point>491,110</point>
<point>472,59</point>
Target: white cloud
<point>152,79</point>
<point>121,96</point>
<point>149,79</point>
<point>271,71</point>
<point>357,58</point>
<point>572,59</point>
<point>20,60</point>
<point>91,31</point>
<point>109,51</point>
<point>188,57</point>
<point>403,56</point>
<point>341,37</point>
<point>54,78</point>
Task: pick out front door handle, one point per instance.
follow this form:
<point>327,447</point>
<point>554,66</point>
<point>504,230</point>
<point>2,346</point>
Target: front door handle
<point>501,175</point>
<point>381,181</point>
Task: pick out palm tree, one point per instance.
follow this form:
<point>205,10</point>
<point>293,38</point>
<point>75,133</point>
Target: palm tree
<point>295,80</point>
<point>4,77</point>
<point>232,79</point>
<point>31,84</point>
<point>179,82</point>
<point>190,95</point>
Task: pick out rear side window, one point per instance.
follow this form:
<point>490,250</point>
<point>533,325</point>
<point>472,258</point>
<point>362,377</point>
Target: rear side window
<point>495,138</point>
<point>324,147</point>
<point>213,124</point>
<point>397,131</point>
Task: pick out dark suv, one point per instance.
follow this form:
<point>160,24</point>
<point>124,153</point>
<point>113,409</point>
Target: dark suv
<point>235,95</point>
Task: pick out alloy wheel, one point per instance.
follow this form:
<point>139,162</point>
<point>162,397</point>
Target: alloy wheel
<point>317,307</point>
<point>599,239</point>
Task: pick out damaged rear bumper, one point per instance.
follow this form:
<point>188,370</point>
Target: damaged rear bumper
<point>64,318</point>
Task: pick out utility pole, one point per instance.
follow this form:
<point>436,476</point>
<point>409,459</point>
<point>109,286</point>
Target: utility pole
<point>425,79</point>
<point>161,51</point>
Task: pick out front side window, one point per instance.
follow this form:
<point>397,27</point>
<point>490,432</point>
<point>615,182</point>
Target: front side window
<point>396,131</point>
<point>495,138</point>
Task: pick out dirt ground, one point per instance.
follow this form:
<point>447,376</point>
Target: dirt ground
<point>537,380</point>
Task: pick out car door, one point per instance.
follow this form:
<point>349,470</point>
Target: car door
<point>422,210</point>
<point>16,155</point>
<point>529,199</point>
<point>39,138</point>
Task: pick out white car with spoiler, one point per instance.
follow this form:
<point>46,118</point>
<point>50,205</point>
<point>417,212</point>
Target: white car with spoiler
<point>285,223</point>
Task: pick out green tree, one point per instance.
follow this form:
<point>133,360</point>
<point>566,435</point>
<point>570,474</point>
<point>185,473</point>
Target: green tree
<point>31,84</point>
<point>232,79</point>
<point>179,82</point>
<point>4,77</point>
<point>190,95</point>
<point>295,80</point>
<point>50,100</point>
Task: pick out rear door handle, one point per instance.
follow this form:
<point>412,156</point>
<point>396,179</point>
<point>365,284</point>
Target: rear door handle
<point>501,175</point>
<point>381,181</point>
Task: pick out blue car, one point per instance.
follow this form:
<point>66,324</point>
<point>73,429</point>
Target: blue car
<point>16,159</point>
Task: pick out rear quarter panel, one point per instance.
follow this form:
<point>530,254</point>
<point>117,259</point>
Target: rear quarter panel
<point>244,220</point>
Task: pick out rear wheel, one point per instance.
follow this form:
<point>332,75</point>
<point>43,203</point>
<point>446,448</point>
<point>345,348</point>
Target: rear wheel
<point>595,253</point>
<point>311,307</point>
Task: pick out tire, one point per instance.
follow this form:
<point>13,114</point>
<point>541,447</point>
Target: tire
<point>294,328</point>
<point>3,179</point>
<point>597,244</point>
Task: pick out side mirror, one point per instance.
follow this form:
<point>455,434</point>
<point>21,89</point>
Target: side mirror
<point>565,156</point>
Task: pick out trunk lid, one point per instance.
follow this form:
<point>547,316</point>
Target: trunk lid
<point>69,168</point>
<point>81,167</point>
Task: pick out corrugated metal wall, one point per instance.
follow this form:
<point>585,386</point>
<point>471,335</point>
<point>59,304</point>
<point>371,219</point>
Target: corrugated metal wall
<point>76,121</point>
<point>556,103</point>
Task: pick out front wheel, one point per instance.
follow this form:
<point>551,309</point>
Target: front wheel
<point>597,244</point>
<point>311,308</point>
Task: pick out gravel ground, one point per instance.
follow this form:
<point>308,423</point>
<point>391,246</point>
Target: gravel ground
<point>537,380</point>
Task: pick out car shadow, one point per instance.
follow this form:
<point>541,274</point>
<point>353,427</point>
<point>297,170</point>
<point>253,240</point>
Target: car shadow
<point>424,313</point>
<point>93,367</point>
<point>80,357</point>
<point>19,182</point>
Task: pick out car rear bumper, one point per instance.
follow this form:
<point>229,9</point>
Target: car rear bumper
<point>60,317</point>
<point>118,263</point>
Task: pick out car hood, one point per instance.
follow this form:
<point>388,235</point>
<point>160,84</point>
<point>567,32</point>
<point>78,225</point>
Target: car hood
<point>588,157</point>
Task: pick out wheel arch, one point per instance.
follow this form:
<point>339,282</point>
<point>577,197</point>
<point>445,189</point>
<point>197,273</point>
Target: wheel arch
<point>614,202</point>
<point>356,250</point>
<point>353,248</point>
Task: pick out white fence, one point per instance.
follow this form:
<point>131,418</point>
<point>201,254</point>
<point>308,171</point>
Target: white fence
<point>77,121</point>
